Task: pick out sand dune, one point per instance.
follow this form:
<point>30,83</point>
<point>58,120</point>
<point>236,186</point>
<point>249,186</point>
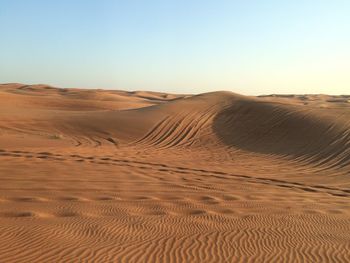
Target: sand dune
<point>116,176</point>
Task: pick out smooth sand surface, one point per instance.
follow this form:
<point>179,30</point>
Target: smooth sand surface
<point>114,176</point>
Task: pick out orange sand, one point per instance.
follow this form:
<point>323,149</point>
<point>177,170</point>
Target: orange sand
<point>115,176</point>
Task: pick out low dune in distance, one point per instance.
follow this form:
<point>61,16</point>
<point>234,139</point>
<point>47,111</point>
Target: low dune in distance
<point>117,176</point>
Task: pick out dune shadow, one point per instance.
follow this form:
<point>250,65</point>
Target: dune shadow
<point>283,130</point>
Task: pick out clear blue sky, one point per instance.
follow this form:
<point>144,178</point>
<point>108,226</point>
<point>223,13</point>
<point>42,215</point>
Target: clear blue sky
<point>193,46</point>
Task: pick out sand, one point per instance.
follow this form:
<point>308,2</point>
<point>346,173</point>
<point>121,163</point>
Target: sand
<point>116,176</point>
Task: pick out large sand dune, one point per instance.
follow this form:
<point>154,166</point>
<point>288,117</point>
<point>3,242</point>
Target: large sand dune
<point>115,176</point>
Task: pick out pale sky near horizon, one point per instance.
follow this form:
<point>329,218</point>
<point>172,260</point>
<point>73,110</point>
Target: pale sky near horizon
<point>180,46</point>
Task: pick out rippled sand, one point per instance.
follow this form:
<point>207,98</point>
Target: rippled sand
<point>114,176</point>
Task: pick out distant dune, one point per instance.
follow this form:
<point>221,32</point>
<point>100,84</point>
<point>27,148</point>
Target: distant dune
<point>117,176</point>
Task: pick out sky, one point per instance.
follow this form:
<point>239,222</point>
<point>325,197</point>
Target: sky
<point>180,46</point>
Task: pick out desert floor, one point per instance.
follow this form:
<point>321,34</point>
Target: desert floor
<point>114,176</point>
